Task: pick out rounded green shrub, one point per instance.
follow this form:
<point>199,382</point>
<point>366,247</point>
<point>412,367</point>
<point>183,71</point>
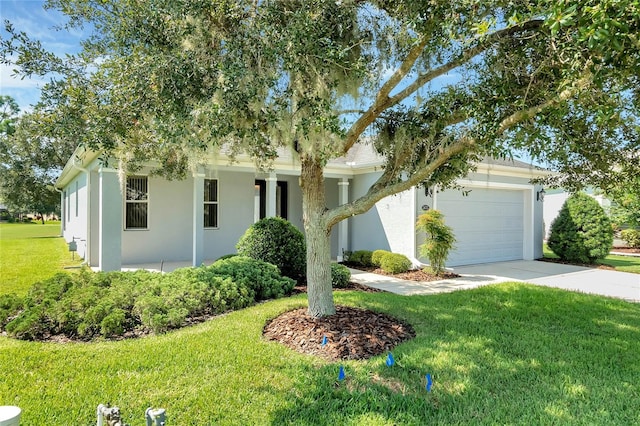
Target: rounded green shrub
<point>395,263</point>
<point>277,241</point>
<point>582,232</point>
<point>361,257</point>
<point>376,257</point>
<point>340,275</point>
<point>631,237</point>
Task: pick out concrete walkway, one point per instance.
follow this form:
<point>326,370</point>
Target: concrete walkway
<point>622,285</point>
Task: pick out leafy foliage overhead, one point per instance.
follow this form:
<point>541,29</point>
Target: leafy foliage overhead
<point>175,80</point>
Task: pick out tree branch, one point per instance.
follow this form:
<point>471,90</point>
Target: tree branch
<point>381,189</point>
<point>383,101</point>
<point>528,113</point>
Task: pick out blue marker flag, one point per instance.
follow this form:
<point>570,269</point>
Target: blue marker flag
<point>429,382</point>
<point>390,360</point>
<point>325,340</point>
<point>341,374</point>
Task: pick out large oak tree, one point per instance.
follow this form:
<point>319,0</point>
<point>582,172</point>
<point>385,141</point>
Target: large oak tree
<point>433,85</point>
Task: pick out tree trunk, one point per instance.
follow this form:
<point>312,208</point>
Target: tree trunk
<point>319,291</point>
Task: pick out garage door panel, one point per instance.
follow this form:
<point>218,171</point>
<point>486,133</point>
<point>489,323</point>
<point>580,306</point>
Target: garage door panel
<point>488,225</point>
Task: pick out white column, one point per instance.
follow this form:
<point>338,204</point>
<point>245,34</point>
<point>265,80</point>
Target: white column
<point>110,221</point>
<point>434,197</point>
<point>343,226</point>
<point>270,202</point>
<point>198,220</point>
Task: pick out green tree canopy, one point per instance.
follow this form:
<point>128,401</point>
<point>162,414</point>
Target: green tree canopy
<point>30,159</point>
<point>434,85</point>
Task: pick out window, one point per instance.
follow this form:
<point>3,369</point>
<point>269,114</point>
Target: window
<point>137,202</point>
<point>260,199</point>
<point>210,203</point>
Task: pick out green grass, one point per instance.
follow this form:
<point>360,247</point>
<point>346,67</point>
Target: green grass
<point>620,263</point>
<point>29,253</point>
<point>504,354</point>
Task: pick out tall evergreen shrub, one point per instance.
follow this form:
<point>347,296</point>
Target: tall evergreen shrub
<point>582,232</point>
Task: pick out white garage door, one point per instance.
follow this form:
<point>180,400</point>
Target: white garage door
<point>488,224</point>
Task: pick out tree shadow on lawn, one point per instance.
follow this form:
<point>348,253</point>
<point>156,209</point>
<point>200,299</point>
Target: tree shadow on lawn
<point>499,354</point>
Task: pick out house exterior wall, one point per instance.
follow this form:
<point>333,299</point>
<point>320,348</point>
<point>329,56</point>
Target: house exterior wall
<point>75,217</point>
<point>169,230</point>
<point>235,215</point>
<point>388,225</point>
<point>94,227</point>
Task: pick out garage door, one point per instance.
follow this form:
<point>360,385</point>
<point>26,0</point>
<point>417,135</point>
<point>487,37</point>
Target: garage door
<point>488,224</point>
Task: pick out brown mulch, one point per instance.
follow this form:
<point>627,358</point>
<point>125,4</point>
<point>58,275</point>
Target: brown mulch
<point>585,265</point>
<point>626,250</point>
<point>351,286</point>
<point>352,333</point>
<point>413,275</point>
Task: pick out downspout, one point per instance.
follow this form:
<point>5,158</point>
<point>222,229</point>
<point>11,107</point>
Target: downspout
<point>87,255</point>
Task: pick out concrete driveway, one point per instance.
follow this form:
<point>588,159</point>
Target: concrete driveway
<point>622,285</point>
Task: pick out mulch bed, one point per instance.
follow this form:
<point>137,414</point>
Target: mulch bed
<point>413,275</point>
<point>352,333</point>
<point>628,250</point>
<point>350,287</point>
<point>585,265</point>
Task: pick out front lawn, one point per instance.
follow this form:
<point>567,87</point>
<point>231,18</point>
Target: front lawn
<point>503,354</point>
<point>31,252</point>
<point>620,263</point>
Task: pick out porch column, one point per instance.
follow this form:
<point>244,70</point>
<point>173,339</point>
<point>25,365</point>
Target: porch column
<point>198,220</point>
<point>343,226</point>
<point>109,221</point>
<point>270,202</point>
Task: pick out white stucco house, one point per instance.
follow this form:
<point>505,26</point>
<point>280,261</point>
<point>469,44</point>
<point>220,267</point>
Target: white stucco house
<point>149,220</point>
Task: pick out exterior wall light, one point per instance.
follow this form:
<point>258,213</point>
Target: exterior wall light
<point>540,195</point>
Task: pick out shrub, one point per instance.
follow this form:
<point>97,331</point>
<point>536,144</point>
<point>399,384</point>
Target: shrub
<point>376,257</point>
<point>631,237</point>
<point>261,277</point>
<point>439,239</point>
<point>227,256</point>
<point>340,275</point>
<point>582,232</point>
<point>87,305</point>
<point>394,263</point>
<point>276,241</point>
<point>10,305</point>
<point>361,257</point>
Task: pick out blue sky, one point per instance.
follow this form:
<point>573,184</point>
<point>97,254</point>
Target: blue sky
<point>31,17</point>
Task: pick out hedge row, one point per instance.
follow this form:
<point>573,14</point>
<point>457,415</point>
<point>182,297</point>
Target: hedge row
<point>108,304</point>
<point>391,263</point>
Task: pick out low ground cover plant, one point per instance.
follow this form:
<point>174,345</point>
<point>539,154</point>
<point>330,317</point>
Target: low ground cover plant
<point>108,304</point>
